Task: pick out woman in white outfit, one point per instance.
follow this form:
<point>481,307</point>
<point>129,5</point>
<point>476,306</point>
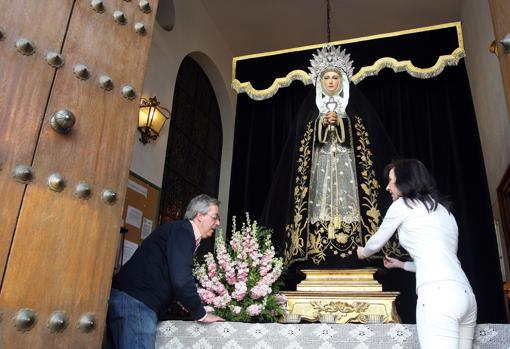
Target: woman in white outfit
<point>446,306</point>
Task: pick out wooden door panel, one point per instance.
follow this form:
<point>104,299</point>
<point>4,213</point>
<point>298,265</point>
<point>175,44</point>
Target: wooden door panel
<point>25,83</point>
<point>63,251</point>
<point>500,10</point>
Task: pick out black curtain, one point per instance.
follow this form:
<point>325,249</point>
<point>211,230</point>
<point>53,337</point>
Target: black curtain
<point>260,136</point>
<point>429,119</point>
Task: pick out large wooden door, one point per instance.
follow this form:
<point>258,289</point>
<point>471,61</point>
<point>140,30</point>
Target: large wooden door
<point>500,10</point>
<point>57,242</point>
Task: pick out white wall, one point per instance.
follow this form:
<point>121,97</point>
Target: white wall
<point>196,35</point>
<point>488,95</point>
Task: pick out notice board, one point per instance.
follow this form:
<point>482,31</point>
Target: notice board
<point>141,208</point>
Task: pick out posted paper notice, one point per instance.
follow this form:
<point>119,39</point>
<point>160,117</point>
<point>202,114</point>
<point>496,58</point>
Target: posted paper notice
<point>129,249</point>
<point>146,227</point>
<point>134,217</point>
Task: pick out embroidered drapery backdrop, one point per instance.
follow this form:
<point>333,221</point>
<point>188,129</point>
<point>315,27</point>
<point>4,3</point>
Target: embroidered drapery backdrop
<point>431,119</point>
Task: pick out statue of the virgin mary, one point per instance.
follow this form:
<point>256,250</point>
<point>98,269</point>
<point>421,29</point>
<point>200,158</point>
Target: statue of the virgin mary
<point>334,198</point>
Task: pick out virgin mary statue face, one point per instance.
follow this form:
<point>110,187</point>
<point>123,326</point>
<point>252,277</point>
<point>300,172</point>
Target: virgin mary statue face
<point>330,82</point>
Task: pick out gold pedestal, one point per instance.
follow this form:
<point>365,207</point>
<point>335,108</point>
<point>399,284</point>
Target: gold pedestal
<point>352,295</point>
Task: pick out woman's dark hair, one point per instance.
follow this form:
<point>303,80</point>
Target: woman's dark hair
<point>414,182</point>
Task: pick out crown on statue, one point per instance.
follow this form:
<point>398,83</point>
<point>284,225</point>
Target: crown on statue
<point>330,57</point>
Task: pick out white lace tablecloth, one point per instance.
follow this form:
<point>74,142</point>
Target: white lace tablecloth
<point>236,335</point>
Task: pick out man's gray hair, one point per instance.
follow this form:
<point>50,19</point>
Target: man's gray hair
<point>200,204</point>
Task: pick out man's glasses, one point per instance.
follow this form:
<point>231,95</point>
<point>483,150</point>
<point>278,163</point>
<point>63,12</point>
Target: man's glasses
<point>214,216</point>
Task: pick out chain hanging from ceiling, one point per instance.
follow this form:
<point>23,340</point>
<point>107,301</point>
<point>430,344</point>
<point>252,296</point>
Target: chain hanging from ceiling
<point>328,20</point>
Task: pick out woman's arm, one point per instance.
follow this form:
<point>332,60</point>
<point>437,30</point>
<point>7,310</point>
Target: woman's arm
<point>390,224</point>
<point>410,266</point>
<point>391,263</point>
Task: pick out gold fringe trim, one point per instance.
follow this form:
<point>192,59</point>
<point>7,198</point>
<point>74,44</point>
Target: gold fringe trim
<point>269,92</point>
<point>456,25</point>
<point>409,67</point>
<point>372,70</point>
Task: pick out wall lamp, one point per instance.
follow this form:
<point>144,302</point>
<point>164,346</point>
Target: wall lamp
<point>151,119</point>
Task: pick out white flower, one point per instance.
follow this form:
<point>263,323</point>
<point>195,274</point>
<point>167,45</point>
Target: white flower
<point>257,330</point>
<point>202,344</point>
<point>327,345</point>
<point>231,344</point>
<point>399,333</point>
<point>225,329</point>
<point>324,332</point>
<point>484,333</point>
<point>166,329</point>
<point>262,345</point>
<point>195,330</point>
<point>174,343</point>
<point>361,332</point>
<point>293,345</point>
<point>290,331</point>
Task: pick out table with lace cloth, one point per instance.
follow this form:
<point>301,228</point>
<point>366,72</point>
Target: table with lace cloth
<point>237,335</point>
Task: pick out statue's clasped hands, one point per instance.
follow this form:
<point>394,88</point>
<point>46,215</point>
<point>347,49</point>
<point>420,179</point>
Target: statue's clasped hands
<point>330,118</point>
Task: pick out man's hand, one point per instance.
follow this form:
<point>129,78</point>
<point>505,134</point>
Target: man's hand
<point>210,318</point>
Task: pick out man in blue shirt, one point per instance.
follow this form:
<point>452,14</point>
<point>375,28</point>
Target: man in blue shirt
<point>160,271</point>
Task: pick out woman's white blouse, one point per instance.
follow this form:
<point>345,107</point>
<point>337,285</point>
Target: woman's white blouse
<point>430,239</point>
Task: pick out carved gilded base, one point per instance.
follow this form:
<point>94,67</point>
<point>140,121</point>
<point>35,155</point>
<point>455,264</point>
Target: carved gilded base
<point>354,280</point>
<point>350,295</point>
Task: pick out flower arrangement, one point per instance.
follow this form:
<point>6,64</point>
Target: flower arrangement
<point>240,282</point>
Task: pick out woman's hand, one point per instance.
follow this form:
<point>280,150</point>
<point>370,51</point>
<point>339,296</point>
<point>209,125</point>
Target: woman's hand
<point>361,255</point>
<point>391,263</point>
